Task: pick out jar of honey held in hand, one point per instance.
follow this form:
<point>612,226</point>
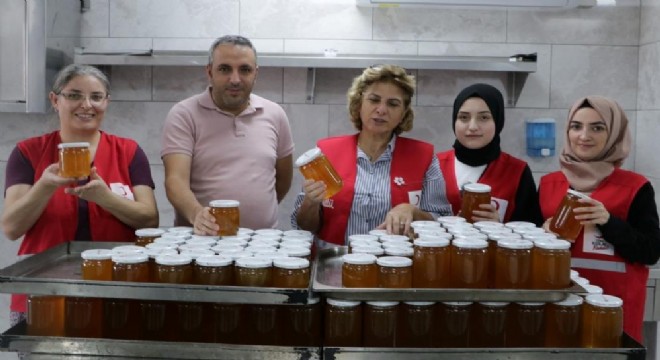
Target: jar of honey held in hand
<point>563,222</point>
<point>227,216</point>
<point>75,160</point>
<point>315,166</point>
<point>473,195</point>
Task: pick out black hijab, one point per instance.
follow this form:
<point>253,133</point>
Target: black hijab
<point>495,102</point>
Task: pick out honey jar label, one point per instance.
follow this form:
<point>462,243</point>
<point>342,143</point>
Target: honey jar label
<point>414,197</point>
<point>594,242</point>
<point>500,205</point>
<point>122,190</point>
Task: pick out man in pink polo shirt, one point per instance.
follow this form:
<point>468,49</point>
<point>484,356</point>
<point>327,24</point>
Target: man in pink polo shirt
<point>227,143</point>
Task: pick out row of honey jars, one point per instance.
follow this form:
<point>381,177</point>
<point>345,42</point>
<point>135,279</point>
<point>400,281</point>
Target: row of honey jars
<point>516,264</point>
<point>564,324</point>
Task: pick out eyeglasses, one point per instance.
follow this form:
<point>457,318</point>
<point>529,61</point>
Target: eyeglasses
<point>94,98</point>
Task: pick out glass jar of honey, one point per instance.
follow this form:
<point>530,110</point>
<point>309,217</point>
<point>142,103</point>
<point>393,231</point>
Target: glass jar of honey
<point>551,264</point>
<point>469,263</point>
<point>213,270</point>
<point>291,272</point>
<point>525,325</point>
<point>45,315</point>
<point>562,322</point>
<point>122,316</point>
<point>474,194</point>
<point>431,263</point>
<point>174,269</point>
<point>261,325</point>
<point>513,264</point>
<point>399,250</point>
<point>415,324</point>
<point>75,160</point>
<point>96,264</point>
<point>250,271</point>
<point>130,267</point>
<point>227,216</point>
<point>228,325</point>
<point>315,166</point>
<point>487,329</point>
<point>343,323</point>
<point>147,235</point>
<point>359,271</point>
<point>380,323</point>
<point>454,324</point>
<point>602,321</point>
<point>563,222</point>
<point>394,272</point>
<point>305,324</point>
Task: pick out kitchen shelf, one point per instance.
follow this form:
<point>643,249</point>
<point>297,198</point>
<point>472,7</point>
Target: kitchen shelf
<point>517,70</point>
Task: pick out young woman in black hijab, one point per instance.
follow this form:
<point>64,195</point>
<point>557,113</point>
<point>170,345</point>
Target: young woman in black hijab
<point>478,121</point>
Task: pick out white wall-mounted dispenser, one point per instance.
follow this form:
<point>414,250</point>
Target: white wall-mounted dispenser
<point>540,137</point>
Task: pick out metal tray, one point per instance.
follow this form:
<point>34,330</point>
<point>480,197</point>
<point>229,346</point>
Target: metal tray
<point>56,271</point>
<point>67,348</point>
<point>327,280</point>
<point>630,350</point>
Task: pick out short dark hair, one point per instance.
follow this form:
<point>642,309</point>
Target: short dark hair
<point>236,40</point>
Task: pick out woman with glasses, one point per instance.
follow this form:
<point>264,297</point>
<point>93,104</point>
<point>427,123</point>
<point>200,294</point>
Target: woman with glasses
<point>389,180</point>
<point>621,234</point>
<point>48,209</point>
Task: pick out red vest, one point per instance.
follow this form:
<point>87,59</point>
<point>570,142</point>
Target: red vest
<point>616,192</point>
<point>59,220</point>
<point>410,161</point>
<point>502,174</point>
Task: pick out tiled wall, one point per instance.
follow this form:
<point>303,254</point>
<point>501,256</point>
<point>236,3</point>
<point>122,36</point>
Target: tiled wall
<point>580,52</point>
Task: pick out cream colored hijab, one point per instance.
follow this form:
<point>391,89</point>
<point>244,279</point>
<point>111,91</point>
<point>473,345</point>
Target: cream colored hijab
<point>586,175</point>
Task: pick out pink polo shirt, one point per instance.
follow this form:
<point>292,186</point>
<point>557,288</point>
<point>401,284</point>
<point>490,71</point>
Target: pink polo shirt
<point>233,157</point>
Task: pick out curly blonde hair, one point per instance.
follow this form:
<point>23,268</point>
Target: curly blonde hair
<point>392,74</point>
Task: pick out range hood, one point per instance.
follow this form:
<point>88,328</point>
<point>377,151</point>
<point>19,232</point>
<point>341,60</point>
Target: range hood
<point>479,3</point>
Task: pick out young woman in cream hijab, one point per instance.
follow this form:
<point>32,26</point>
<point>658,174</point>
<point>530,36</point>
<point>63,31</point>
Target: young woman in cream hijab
<point>621,234</point>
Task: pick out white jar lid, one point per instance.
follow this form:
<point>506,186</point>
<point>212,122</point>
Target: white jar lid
<point>277,232</point>
<point>232,242</point>
<point>419,303</point>
<point>342,303</point>
<point>127,249</point>
<point>201,242</point>
<point>96,254</point>
<point>291,263</point>
<point>429,242</point>
<point>227,247</point>
<point>382,304</point>
<point>530,303</point>
<point>488,224</point>
<point>253,263</point>
<point>574,273</point>
<point>385,238</point>
<point>529,231</point>
<point>196,253</point>
<point>244,231</point>
<point>500,236</point>
<point>149,232</point>
<point>73,145</point>
<point>372,250</point>
<point>497,231</point>
<point>553,244</point>
<point>264,242</point>
<point>515,244</point>
<point>450,220</point>
<point>494,303</point>
<point>434,235</point>
<point>457,303</point>
<point>581,281</point>
<point>390,244</point>
<point>295,251</point>
<point>186,247</point>
<point>394,261</point>
<point>155,252</point>
<point>308,156</point>
<point>520,224</point>
<point>399,251</point>
<point>237,255</point>
<point>593,289</point>
<point>600,300</point>
<point>295,243</point>
<point>470,244</point>
<point>578,194</point>
<point>128,258</point>
<point>213,260</point>
<point>260,249</point>
<point>364,237</point>
<point>242,237</point>
<point>304,238</point>
<point>476,187</point>
<point>425,224</point>
<point>571,300</point>
<point>440,231</point>
<point>378,232</point>
<point>155,245</point>
<point>170,240</point>
<point>359,259</point>
<point>177,235</point>
<point>274,237</point>
<point>273,256</point>
<point>224,203</point>
<point>539,236</point>
<point>173,259</point>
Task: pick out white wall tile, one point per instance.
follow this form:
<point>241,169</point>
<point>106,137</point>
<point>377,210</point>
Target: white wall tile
<point>356,47</point>
<point>309,123</point>
<point>294,85</point>
<point>437,24</point>
<point>269,84</point>
<point>593,26</point>
<point>646,146</point>
<point>173,18</point>
<point>305,19</point>
<point>649,77</point>
<point>578,71</point>
<point>16,127</point>
<point>130,83</point>
<point>165,209</point>
<point>432,124</point>
<point>439,88</point>
<point>650,28</point>
<point>338,121</point>
<point>95,21</point>
<point>63,18</point>
<point>175,83</point>
<point>204,44</point>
